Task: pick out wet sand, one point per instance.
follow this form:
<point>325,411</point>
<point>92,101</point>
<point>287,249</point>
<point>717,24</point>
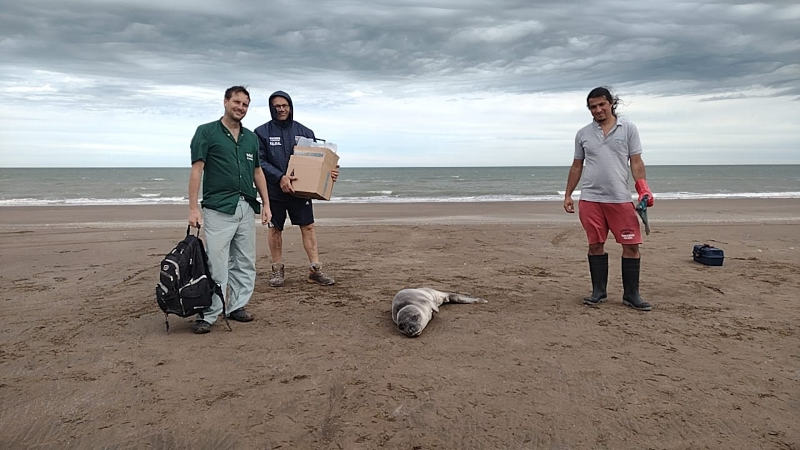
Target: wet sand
<point>85,361</point>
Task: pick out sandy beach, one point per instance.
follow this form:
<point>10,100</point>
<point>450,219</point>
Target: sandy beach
<point>85,361</point>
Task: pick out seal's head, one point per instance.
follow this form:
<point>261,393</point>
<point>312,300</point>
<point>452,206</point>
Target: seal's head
<point>409,320</point>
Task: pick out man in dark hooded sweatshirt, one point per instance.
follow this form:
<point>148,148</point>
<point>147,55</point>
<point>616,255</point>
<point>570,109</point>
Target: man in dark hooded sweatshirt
<point>277,139</point>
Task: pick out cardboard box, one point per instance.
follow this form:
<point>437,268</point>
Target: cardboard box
<point>312,166</point>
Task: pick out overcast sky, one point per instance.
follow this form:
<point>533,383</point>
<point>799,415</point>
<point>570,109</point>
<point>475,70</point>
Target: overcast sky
<point>404,83</point>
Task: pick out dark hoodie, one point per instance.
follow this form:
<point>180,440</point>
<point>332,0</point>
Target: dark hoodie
<point>276,141</point>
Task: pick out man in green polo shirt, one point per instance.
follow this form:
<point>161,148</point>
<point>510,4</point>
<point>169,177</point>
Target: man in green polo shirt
<point>225,157</point>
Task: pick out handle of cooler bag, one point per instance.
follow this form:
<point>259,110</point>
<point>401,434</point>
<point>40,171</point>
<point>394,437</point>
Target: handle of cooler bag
<point>698,247</point>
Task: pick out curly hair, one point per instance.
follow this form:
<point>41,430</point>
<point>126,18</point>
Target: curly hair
<point>606,93</point>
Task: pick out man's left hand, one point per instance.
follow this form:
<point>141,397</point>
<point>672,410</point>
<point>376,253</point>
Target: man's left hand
<point>643,189</point>
<point>335,173</point>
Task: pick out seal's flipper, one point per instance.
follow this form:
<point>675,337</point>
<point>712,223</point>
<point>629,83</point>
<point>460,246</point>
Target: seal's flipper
<point>461,298</point>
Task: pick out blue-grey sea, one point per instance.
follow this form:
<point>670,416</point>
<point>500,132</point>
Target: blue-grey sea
<point>150,186</point>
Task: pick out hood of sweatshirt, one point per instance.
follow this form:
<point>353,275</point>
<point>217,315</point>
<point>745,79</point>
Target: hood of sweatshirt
<point>274,113</point>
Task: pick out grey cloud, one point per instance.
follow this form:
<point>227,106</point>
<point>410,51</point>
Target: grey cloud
<point>420,47</point>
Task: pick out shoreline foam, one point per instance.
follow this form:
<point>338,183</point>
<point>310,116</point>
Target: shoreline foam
<point>154,199</point>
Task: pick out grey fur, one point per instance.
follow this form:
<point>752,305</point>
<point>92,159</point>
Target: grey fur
<point>412,309</point>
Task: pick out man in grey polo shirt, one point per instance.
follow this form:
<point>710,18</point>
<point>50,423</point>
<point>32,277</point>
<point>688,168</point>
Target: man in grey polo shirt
<point>605,148</point>
<point>225,156</point>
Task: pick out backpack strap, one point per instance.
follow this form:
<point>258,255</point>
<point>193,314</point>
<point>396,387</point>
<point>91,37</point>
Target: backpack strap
<point>218,291</point>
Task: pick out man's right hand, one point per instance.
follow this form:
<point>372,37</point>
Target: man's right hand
<point>195,217</point>
<point>569,206</point>
<point>286,184</point>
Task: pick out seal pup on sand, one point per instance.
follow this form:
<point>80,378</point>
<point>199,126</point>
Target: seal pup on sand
<point>412,309</point>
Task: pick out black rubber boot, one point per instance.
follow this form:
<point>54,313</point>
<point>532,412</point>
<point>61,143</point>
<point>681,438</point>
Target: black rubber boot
<point>598,267</point>
<point>630,283</point>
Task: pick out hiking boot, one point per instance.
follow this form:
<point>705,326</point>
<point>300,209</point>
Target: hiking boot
<point>201,327</point>
<point>316,275</point>
<point>276,276</point>
<point>240,315</point>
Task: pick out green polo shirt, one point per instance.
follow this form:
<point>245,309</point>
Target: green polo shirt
<point>229,166</point>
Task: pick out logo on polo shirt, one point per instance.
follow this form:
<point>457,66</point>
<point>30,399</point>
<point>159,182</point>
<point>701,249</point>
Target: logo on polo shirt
<point>249,156</point>
<point>274,140</point>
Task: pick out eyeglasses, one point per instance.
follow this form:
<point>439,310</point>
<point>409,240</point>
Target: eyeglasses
<point>280,106</point>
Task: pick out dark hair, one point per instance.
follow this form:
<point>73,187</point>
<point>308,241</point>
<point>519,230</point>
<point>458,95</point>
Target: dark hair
<point>235,89</point>
<point>604,92</point>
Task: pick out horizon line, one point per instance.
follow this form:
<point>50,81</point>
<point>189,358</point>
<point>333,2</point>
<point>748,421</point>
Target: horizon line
<point>396,167</point>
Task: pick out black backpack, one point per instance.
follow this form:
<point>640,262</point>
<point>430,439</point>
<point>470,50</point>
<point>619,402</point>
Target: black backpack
<point>185,285</point>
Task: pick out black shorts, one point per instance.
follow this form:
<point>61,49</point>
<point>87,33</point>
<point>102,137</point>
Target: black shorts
<point>301,212</point>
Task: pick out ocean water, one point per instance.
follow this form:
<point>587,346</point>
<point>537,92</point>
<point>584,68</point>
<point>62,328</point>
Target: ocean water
<point>150,186</point>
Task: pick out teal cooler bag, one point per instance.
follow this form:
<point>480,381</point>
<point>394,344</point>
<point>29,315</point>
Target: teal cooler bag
<point>708,255</point>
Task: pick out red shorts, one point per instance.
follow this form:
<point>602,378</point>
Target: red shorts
<point>598,218</point>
